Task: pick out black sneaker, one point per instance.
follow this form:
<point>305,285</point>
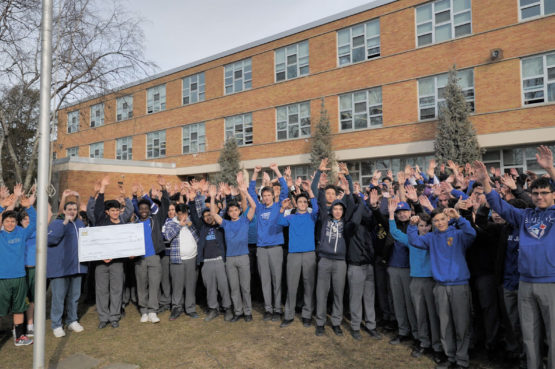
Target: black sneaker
<point>356,334</point>
<point>374,334</point>
<point>319,330</point>
<point>439,357</point>
<point>419,351</point>
<point>176,312</point>
<point>102,325</point>
<point>193,315</point>
<point>212,314</point>
<point>389,325</point>
<point>286,323</point>
<point>161,309</point>
<point>337,330</point>
<point>276,317</point>
<point>228,315</point>
<point>236,318</point>
<point>114,324</point>
<point>446,365</point>
<point>248,318</point>
<point>398,339</point>
<point>267,316</point>
<point>307,322</point>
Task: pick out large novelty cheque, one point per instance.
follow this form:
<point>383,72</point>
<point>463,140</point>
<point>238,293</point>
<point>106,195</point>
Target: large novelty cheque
<point>111,242</point>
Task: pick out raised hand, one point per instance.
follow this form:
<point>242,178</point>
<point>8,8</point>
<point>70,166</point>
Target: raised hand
<point>161,181</point>
<point>266,181</point>
<point>508,181</point>
<point>274,167</point>
<point>481,172</point>
<point>27,201</point>
<point>454,167</point>
<point>97,187</point>
<point>411,193</point>
<point>212,191</point>
<point>155,193</point>
<point>544,157</point>
<point>392,206</point>
<point>18,190</point>
<point>239,178</point>
<point>4,192</point>
<point>401,178</point>
<point>462,204</point>
<point>390,174</point>
<point>343,169</point>
<point>414,220</point>
<point>298,182</point>
<point>451,213</point>
<point>305,185</point>
<point>105,181</point>
<point>8,202</point>
<point>134,189</point>
<point>425,202</point>
<point>323,180</point>
<point>374,198</point>
<point>324,165</point>
<point>257,169</point>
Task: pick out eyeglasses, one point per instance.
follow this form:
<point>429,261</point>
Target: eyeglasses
<point>542,193</point>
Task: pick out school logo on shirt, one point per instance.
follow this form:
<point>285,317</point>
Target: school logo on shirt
<point>211,235</point>
<point>265,215</point>
<point>537,230</point>
<point>450,241</point>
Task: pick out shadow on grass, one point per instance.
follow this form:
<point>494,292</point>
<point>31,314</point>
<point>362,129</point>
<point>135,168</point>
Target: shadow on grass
<point>5,338</point>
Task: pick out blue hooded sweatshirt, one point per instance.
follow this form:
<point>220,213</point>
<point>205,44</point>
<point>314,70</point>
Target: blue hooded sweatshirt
<point>31,250</point>
<point>12,248</point>
<point>301,229</point>
<point>62,255</point>
<point>447,251</point>
<point>419,259</point>
<point>270,233</point>
<point>536,260</point>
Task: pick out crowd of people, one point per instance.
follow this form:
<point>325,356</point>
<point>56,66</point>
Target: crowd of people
<point>450,257</point>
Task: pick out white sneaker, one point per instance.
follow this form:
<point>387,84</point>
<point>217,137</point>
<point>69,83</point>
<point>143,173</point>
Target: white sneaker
<point>76,327</point>
<point>153,318</point>
<point>144,318</point>
<point>59,332</point>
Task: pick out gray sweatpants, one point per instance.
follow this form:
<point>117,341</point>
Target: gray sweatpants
<point>165,295</point>
<point>399,279</point>
<point>270,264</point>
<point>361,293</point>
<point>239,277</point>
<point>148,273</point>
<point>422,293</point>
<point>109,290</point>
<point>330,271</point>
<point>453,306</point>
<point>297,263</point>
<point>215,279</point>
<point>536,302</point>
<point>184,275</point>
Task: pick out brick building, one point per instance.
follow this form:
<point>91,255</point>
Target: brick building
<point>379,69</point>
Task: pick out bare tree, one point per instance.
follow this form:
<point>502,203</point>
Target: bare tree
<point>97,45</point>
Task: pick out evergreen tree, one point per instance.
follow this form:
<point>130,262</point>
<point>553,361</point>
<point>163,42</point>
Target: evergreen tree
<point>455,136</point>
<point>321,146</point>
<point>229,162</point>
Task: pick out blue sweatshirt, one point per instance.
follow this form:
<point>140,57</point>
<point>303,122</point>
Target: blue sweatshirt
<point>301,229</point>
<point>400,253</point>
<point>31,250</point>
<point>62,254</point>
<point>419,259</point>
<point>236,235</point>
<point>536,261</point>
<point>447,251</point>
<point>270,233</point>
<point>12,248</point>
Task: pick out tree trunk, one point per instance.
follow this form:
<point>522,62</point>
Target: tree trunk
<point>32,163</point>
<point>1,166</point>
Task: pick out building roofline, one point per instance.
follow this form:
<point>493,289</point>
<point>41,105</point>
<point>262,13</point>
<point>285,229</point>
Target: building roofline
<point>262,41</point>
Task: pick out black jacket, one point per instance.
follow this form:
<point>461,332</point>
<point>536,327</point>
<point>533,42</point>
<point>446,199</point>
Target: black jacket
<point>360,249</point>
<point>203,228</point>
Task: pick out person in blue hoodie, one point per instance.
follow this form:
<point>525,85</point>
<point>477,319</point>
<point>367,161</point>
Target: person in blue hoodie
<point>448,245</point>
<point>421,287</point>
<point>301,258</point>
<point>64,270</point>
<point>269,252</point>
<point>536,259</point>
<point>13,283</point>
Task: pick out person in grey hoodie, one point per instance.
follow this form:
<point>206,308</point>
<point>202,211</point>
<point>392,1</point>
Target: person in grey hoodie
<point>332,267</point>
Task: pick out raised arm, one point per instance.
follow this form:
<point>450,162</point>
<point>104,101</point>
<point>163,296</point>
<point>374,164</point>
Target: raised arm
<point>247,198</point>
<point>212,192</point>
<point>545,160</point>
<point>421,242</point>
<point>252,184</point>
<point>99,205</point>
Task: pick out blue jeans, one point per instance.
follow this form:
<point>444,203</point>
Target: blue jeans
<point>68,290</point>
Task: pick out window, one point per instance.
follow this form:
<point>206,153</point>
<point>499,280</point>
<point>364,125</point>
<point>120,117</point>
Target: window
<point>240,127</point>
<point>291,61</point>
<point>536,8</point>
<point>431,89</point>
<point>358,43</point>
<point>156,144</point>
<point>73,121</point>
<point>156,99</point>
<point>193,89</point>
<point>124,108</point>
<point>293,121</point>
<point>72,152</point>
<point>194,138</point>
<point>443,20</point>
<point>96,150</point>
<point>522,158</point>
<point>361,109</point>
<point>97,115</point>
<point>538,79</point>
<point>124,148</point>
<point>238,76</point>
<point>361,171</point>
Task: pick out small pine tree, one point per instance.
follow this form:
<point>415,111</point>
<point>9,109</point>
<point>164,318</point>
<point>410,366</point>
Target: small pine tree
<point>455,135</point>
<point>229,162</point>
<point>321,146</point>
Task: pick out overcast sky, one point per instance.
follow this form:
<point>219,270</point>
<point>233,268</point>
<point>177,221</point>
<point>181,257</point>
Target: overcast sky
<point>180,32</point>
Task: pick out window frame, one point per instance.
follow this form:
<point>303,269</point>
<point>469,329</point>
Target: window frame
<point>129,110</point>
<point>101,144</point>
<point>541,4</point>
<point>162,106</point>
<point>77,123</point>
<point>366,39</point>
<point>244,80</point>
<point>94,108</point>
<point>544,76</point>
<point>129,152</point>
<point>161,145</point>
<point>297,63</point>
<point>199,136</point>
<point>200,90</point>
<point>434,24</point>
<point>367,111</point>
<point>76,148</point>
<point>245,124</point>
<point>300,126</point>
